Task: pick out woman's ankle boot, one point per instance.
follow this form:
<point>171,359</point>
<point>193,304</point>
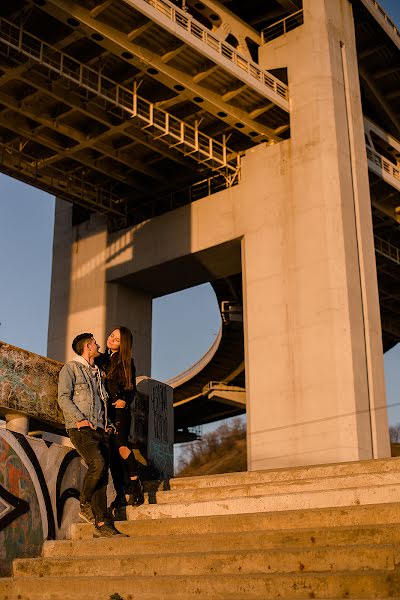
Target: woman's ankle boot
<point>135,491</point>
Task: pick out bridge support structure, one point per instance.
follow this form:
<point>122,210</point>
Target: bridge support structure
<point>299,228</point>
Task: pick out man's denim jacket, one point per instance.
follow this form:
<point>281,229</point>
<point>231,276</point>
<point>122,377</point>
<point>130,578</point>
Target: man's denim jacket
<point>76,396</point>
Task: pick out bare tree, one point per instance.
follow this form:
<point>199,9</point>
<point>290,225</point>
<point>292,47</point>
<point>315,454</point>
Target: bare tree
<point>394,431</point>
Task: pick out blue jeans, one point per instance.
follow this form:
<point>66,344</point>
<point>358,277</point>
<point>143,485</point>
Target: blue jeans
<point>93,446</point>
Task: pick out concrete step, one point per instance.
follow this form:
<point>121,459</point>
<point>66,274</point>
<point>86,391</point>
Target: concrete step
<point>335,537</point>
<point>335,484</point>
<point>301,500</point>
<point>225,541</point>
<point>334,558</point>
<point>365,467</point>
<point>142,525</point>
<point>359,585</point>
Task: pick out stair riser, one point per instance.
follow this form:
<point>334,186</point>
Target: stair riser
<point>303,586</point>
<point>225,563</point>
<point>332,484</point>
<point>369,467</point>
<point>280,502</point>
<point>257,540</point>
<point>327,517</point>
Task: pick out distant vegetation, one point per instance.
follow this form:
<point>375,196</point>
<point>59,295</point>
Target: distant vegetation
<point>394,431</point>
<point>220,451</point>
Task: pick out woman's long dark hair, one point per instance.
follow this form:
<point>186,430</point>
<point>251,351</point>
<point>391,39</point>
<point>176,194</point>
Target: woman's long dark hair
<point>121,366</point>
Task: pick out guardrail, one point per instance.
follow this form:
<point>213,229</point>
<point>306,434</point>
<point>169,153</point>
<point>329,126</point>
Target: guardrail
<point>56,181</point>
<point>163,203</point>
<point>184,21</point>
<point>385,16</point>
<point>282,26</point>
<point>165,127</point>
<point>384,166</point>
<point>386,249</point>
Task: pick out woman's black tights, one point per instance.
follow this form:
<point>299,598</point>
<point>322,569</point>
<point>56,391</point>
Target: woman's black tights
<point>122,458</point>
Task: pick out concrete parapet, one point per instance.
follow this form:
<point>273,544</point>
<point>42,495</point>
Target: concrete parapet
<point>153,424</point>
<point>40,479</point>
<point>28,389</point>
<point>39,487</point>
<point>28,385</point>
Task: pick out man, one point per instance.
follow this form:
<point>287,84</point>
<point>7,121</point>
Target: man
<point>83,400</point>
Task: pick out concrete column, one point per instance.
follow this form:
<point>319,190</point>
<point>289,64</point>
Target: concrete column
<point>314,362</point>
<point>133,308</point>
<point>82,299</point>
<point>60,282</point>
<point>153,424</point>
<point>17,422</point>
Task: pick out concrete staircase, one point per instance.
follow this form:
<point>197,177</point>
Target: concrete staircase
<point>328,532</point>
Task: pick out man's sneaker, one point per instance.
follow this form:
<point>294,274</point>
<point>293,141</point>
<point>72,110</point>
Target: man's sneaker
<point>86,513</point>
<point>108,530</point>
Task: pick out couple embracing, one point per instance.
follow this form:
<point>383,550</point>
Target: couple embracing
<point>95,393</point>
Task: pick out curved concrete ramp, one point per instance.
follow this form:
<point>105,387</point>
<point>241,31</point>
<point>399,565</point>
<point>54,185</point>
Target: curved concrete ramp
<point>213,388</point>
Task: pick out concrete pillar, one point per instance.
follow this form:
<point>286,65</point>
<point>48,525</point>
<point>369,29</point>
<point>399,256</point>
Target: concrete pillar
<point>133,308</point>
<point>17,422</point>
<point>314,361</point>
<point>81,297</point>
<point>152,426</point>
<point>57,343</point>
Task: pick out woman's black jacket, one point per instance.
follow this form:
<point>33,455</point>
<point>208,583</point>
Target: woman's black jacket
<point>115,389</point>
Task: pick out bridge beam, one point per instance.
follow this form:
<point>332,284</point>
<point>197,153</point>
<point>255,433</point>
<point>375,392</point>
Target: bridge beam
<point>117,42</point>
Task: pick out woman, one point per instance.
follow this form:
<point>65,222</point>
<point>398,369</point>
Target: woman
<point>120,383</point>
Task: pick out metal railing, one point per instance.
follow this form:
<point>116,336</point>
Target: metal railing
<point>185,21</point>
<point>387,249</point>
<point>385,16</point>
<point>163,126</point>
<point>214,384</point>
<point>283,26</point>
<point>385,167</point>
<point>162,203</point>
<point>56,181</point>
<point>231,312</point>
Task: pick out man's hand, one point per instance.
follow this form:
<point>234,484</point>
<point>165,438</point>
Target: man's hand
<point>84,423</point>
<point>119,404</point>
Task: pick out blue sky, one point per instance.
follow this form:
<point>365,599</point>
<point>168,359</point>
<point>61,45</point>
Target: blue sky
<point>26,236</point>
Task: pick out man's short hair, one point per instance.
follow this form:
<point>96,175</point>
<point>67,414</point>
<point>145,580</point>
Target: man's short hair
<point>79,342</point>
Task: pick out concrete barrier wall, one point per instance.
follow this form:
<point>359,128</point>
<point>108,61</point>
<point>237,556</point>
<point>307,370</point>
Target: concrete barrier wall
<point>28,385</point>
<point>155,399</point>
<point>40,479</point>
<point>39,487</point>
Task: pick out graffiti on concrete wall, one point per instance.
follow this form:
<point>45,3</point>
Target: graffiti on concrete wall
<point>161,428</point>
<point>160,412</point>
<point>28,384</point>
<point>139,421</point>
<point>36,481</point>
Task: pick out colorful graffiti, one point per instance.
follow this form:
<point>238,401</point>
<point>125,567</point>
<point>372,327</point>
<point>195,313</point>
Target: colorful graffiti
<point>36,481</point>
